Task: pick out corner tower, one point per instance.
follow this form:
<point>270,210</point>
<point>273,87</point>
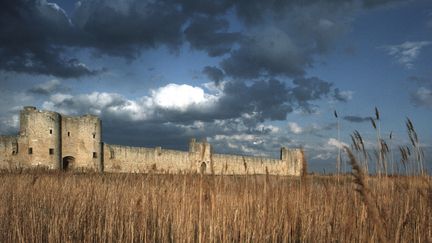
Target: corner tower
<point>200,156</point>
<point>40,137</point>
<point>293,159</point>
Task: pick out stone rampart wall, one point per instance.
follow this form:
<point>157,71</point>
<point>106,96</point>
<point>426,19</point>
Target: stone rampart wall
<point>138,159</point>
<point>8,152</point>
<point>54,141</point>
<point>157,160</point>
<point>238,164</point>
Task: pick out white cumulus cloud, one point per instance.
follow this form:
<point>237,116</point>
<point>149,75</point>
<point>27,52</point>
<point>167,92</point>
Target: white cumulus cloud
<point>171,97</point>
<point>179,97</point>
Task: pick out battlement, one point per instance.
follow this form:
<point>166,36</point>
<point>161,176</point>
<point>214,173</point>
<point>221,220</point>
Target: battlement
<point>51,140</point>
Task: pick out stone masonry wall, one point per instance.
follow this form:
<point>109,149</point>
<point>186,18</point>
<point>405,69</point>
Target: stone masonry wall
<point>81,140</point>
<point>54,141</point>
<point>40,138</point>
<point>137,159</point>
<point>237,164</point>
<point>199,159</point>
<point>8,152</point>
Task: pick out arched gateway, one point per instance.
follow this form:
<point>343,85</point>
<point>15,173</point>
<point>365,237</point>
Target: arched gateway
<point>68,162</point>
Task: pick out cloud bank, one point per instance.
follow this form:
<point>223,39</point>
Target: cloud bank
<point>271,37</point>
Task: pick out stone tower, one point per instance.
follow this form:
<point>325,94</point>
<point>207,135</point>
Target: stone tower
<point>40,137</point>
<point>48,139</point>
<point>293,159</point>
<point>54,141</point>
<point>81,143</point>
<point>201,155</point>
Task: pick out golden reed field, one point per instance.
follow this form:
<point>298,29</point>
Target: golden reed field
<point>392,205</point>
<point>40,206</point>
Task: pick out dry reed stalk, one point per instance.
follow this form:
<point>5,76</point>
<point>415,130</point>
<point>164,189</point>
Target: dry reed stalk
<point>153,208</point>
<point>338,159</point>
<point>363,190</point>
<point>402,221</point>
<point>419,154</point>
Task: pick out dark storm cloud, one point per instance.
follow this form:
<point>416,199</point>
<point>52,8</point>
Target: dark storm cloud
<point>377,3</point>
<point>146,134</point>
<point>48,88</point>
<point>31,35</point>
<point>285,37</point>
<point>266,99</point>
<point>309,89</point>
<point>282,36</point>
<point>213,73</point>
<point>210,35</point>
<point>123,28</point>
<point>34,34</point>
<point>357,119</point>
<point>268,53</point>
<point>205,7</point>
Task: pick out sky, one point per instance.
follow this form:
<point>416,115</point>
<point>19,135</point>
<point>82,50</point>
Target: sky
<point>247,76</point>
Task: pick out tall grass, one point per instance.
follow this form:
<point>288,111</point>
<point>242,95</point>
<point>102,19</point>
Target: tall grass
<point>66,207</point>
<point>415,176</point>
<point>393,206</point>
<point>412,159</point>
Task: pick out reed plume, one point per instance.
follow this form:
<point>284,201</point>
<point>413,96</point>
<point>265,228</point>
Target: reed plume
<point>363,190</point>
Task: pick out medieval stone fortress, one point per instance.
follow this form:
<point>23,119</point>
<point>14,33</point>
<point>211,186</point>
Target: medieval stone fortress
<point>54,141</point>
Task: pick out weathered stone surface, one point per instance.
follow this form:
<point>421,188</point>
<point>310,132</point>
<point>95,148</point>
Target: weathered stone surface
<point>54,141</point>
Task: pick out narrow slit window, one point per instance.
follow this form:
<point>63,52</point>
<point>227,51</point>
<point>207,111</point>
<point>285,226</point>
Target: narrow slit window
<point>68,134</point>
<point>50,131</point>
<point>51,151</point>
<point>15,149</point>
<point>94,155</point>
<point>94,135</point>
<point>30,150</point>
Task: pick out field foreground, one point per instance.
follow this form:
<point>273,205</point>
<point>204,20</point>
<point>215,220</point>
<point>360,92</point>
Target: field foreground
<point>66,207</point>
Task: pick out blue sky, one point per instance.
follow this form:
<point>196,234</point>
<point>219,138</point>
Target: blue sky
<point>248,76</point>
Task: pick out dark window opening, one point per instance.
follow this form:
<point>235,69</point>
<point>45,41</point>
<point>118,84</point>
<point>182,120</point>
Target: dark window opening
<point>68,134</point>
<point>94,155</point>
<point>51,151</point>
<point>203,168</point>
<point>15,149</point>
<point>94,135</point>
<point>50,131</point>
<point>30,150</point>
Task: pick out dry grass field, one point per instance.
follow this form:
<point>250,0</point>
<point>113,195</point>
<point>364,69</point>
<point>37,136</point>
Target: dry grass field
<point>67,207</point>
